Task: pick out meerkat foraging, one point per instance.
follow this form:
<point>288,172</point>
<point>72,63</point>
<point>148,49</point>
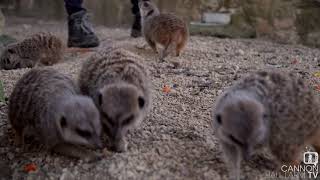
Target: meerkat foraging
<point>271,109</point>
<point>48,104</point>
<point>119,85</point>
<point>42,49</point>
<point>167,30</point>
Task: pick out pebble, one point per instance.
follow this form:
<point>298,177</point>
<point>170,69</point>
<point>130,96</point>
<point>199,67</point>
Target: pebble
<point>66,175</point>
<point>240,52</point>
<point>10,155</point>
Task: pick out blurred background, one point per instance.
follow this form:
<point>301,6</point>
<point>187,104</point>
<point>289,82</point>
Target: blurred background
<point>284,21</point>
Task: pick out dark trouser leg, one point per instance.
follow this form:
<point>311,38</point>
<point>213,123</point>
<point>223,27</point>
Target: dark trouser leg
<point>136,27</point>
<point>73,6</point>
<point>80,32</point>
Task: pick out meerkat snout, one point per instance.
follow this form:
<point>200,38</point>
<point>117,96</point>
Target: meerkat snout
<point>83,126</point>
<point>239,122</point>
<point>120,105</point>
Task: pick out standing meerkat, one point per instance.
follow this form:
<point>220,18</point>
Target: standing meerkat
<point>120,87</point>
<point>46,104</point>
<point>277,110</point>
<point>42,49</point>
<point>166,29</point>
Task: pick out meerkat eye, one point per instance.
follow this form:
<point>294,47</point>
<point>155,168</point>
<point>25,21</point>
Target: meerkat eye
<point>108,118</point>
<point>128,120</point>
<point>63,122</point>
<point>83,133</point>
<point>141,102</point>
<point>219,119</point>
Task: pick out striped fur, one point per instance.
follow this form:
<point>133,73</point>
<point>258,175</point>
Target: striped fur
<point>167,30</point>
<point>290,118</point>
<point>121,80</point>
<point>39,101</point>
<point>41,49</point>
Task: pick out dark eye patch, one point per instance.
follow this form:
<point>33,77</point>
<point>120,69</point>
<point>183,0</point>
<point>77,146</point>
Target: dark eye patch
<point>108,118</point>
<point>63,122</point>
<point>141,102</point>
<point>128,120</point>
<point>219,119</point>
<point>83,133</point>
<point>236,140</point>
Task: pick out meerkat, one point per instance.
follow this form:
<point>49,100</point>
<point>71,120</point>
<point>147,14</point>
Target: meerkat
<point>167,30</point>
<point>120,87</point>
<point>42,49</point>
<point>47,103</point>
<point>271,109</point>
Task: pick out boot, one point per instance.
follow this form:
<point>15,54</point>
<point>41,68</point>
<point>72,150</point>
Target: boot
<point>136,27</point>
<point>80,31</point>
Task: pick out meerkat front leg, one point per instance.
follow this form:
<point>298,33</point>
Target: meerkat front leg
<point>233,159</point>
<point>77,152</point>
<point>167,49</point>
<point>152,44</point>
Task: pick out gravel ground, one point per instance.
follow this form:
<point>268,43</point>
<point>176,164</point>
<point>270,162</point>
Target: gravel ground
<point>175,141</point>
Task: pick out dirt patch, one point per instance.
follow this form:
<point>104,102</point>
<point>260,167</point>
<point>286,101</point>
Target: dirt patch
<point>175,141</point>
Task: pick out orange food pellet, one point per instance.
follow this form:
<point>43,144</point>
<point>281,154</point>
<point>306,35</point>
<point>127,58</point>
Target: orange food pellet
<point>295,61</point>
<point>166,89</point>
<point>30,167</point>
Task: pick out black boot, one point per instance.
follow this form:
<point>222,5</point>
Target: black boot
<point>80,31</point>
<point>136,27</point>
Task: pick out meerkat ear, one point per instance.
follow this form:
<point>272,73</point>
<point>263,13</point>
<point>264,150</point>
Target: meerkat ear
<point>141,102</point>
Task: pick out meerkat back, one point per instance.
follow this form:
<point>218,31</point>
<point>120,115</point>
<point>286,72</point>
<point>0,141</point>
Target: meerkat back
<point>42,49</point>
<point>120,87</point>
<point>167,30</point>
<point>47,103</point>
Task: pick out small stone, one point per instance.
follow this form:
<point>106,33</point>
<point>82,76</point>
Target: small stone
<point>10,155</point>
<point>86,167</point>
<point>240,52</point>
<point>66,175</point>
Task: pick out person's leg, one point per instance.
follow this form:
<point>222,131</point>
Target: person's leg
<point>136,27</point>
<point>73,6</point>
<point>80,32</point>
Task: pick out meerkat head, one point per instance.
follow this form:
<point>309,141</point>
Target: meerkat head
<point>79,122</point>
<point>9,59</point>
<point>148,9</point>
<point>121,108</point>
<point>240,121</point>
